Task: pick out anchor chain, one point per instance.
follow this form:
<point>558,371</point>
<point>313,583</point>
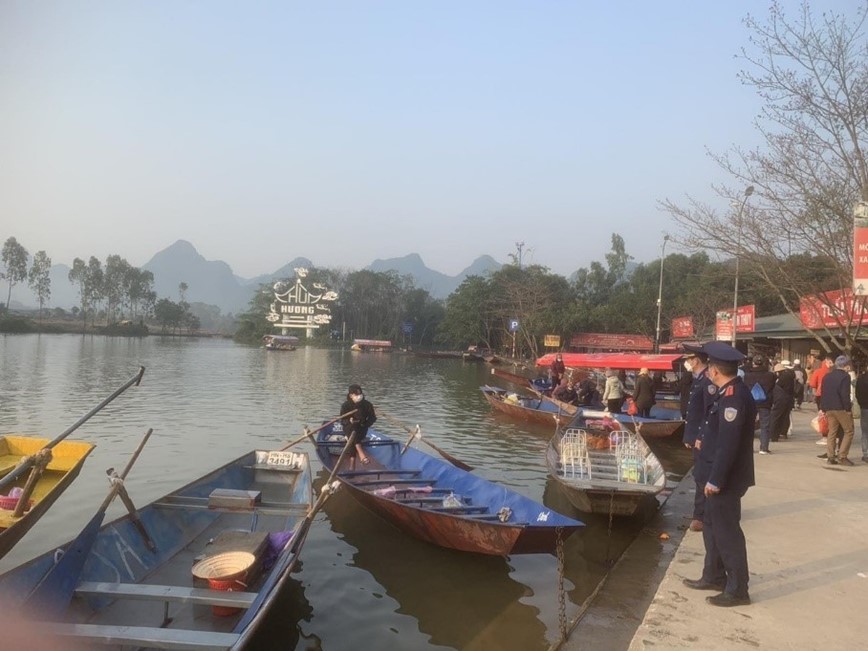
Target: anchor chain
<point>562,596</point>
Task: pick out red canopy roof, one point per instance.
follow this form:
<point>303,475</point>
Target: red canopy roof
<point>627,361</point>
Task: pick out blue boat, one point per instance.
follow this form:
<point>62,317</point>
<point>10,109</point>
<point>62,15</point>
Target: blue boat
<point>434,501</point>
<point>198,568</point>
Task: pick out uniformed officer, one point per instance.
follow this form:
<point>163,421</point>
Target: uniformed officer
<point>726,470</point>
<point>702,394</point>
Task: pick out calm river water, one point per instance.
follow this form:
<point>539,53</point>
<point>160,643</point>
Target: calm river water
<point>361,584</point>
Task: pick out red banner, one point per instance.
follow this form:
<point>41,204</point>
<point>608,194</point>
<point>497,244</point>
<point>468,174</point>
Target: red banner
<point>745,322</point>
<point>612,342</point>
<point>833,309</point>
<point>860,249</point>
<point>682,327</point>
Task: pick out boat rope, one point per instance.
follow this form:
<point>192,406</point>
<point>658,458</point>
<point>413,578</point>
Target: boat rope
<point>609,531</point>
<point>562,597</point>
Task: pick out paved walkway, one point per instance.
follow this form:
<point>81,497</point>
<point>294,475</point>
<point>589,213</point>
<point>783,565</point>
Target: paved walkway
<point>806,526</point>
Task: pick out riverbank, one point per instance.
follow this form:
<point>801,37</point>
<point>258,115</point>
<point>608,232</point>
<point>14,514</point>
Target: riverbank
<point>807,541</point>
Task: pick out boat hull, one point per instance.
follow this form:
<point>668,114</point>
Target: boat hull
<point>599,491</point>
<point>67,459</point>
<point>518,411</point>
<point>408,490</point>
<point>205,517</point>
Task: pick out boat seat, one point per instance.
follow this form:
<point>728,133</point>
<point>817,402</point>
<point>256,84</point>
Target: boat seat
<point>374,482</point>
<point>146,636</point>
<point>384,471</point>
<point>174,593</point>
<point>426,500</point>
<point>460,509</point>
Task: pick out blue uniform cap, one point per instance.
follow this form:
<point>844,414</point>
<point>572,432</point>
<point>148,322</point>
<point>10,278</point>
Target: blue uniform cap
<point>720,350</point>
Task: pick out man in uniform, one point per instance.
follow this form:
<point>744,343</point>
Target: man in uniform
<point>702,394</point>
<point>726,469</point>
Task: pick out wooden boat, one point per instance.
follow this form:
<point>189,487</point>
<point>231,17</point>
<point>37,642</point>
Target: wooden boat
<point>67,458</point>
<point>604,471</point>
<point>280,342</point>
<point>221,550</point>
<point>433,500</point>
<point>529,409</point>
<point>371,346</point>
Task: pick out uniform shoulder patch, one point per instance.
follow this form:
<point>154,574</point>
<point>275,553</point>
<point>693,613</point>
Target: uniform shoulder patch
<point>712,389</point>
<point>729,391</point>
<point>730,414</point>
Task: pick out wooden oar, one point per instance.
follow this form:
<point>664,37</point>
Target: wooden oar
<point>455,462</point>
<point>308,433</point>
<point>53,594</point>
<point>29,462</point>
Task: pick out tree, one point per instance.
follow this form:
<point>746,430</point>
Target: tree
<point>40,278</point>
<point>812,75</point>
<point>14,257</point>
<point>116,272</point>
<point>89,278</point>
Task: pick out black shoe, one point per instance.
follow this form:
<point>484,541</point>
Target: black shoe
<point>702,584</point>
<point>726,600</point>
<point>832,462</point>
<point>823,456</point>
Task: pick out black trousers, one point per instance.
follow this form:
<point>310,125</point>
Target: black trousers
<point>699,495</point>
<point>725,547</point>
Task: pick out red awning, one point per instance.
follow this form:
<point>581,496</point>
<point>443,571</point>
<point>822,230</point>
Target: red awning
<point>628,361</point>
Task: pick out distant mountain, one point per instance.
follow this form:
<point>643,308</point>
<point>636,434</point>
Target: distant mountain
<point>286,271</point>
<point>208,281</point>
<point>212,282</point>
<point>439,285</point>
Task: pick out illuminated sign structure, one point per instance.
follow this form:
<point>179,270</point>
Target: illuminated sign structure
<point>295,306</point>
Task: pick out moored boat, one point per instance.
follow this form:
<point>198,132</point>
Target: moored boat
<point>528,409</point>
<point>649,428</point>
<point>433,500</point>
<point>66,460</point>
<point>280,342</point>
<point>197,568</point>
<point>604,471</point>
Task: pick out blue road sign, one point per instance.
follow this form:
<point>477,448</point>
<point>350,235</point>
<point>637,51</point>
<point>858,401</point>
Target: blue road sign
<point>407,327</point>
<point>513,325</point>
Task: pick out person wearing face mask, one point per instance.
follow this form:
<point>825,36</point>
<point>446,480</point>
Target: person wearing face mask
<point>726,467</point>
<point>702,394</point>
<point>356,424</point>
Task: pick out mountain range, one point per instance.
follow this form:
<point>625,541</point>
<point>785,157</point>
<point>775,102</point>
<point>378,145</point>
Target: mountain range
<point>213,282</point>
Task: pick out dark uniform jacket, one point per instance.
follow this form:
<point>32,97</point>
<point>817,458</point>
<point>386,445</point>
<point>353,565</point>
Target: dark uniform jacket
<point>862,390</point>
<point>726,457</point>
<point>702,394</point>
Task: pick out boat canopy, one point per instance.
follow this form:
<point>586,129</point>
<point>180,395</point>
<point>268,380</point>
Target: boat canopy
<point>373,342</point>
<point>627,361</point>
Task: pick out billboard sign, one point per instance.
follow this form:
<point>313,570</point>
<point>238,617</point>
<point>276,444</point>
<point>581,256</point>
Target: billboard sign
<point>296,306</point>
<point>682,327</point>
<point>860,249</point>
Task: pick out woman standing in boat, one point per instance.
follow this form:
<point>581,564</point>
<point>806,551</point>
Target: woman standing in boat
<point>558,370</point>
<point>643,395</point>
<point>356,424</point>
<point>613,394</point>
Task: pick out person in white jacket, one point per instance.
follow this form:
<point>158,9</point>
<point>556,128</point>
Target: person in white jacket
<point>613,393</point>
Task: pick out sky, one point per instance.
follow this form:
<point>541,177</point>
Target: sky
<point>349,131</point>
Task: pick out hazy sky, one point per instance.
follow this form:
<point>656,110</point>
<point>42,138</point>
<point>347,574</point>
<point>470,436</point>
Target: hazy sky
<point>349,131</point>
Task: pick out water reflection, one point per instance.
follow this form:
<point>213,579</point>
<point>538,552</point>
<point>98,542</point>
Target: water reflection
<point>361,584</point>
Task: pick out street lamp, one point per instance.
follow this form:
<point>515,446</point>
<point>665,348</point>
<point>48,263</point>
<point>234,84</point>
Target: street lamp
<point>734,320</point>
<point>660,294</point>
